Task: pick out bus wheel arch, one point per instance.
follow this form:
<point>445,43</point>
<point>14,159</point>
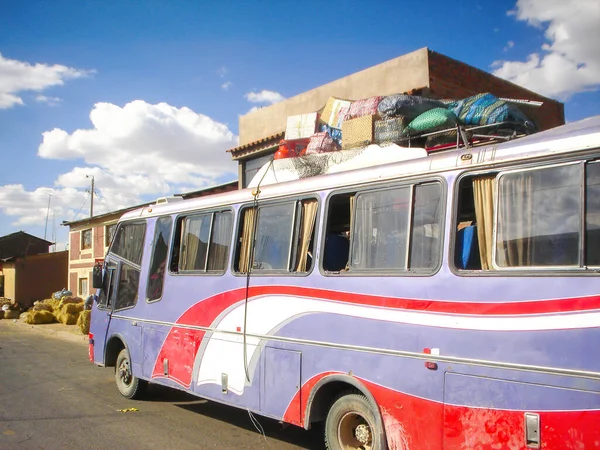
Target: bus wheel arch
<point>115,344</point>
<point>332,388</point>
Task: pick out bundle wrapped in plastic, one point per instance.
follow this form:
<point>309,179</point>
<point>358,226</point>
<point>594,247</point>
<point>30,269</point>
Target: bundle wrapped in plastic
<point>321,143</point>
<point>409,106</point>
<point>389,130</point>
<point>434,119</point>
<point>335,133</point>
<point>60,294</point>
<point>363,107</point>
<point>487,109</point>
<point>334,111</point>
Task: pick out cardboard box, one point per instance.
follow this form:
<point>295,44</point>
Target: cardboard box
<point>331,112</point>
<point>389,130</point>
<point>358,132</point>
<point>301,126</point>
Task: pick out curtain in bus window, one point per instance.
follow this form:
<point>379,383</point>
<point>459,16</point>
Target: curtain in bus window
<point>309,215</point>
<point>425,240</point>
<point>379,239</point>
<point>129,242</point>
<point>195,242</point>
<point>219,241</point>
<point>483,193</point>
<point>592,214</point>
<point>246,246</point>
<point>273,237</point>
<point>539,218</point>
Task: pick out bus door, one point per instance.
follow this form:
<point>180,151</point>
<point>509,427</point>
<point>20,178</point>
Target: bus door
<point>102,312</point>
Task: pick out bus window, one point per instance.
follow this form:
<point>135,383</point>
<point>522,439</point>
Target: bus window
<point>592,214</point>
<point>129,241</point>
<point>284,237</point>
<point>160,246</point>
<point>202,243</point>
<point>397,229</point>
<point>337,232</point>
<point>129,280</point>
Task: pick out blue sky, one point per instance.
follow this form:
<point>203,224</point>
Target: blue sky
<point>146,95</point>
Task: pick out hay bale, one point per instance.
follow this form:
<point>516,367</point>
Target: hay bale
<point>84,321</point>
<point>42,307</point>
<point>12,314</point>
<point>66,318</point>
<point>52,302</point>
<point>68,299</point>
<point>24,315</point>
<point>39,317</point>
<point>72,308</point>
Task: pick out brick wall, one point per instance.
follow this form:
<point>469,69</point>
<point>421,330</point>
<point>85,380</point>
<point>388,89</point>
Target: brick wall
<point>98,241</point>
<point>74,245</point>
<point>453,79</point>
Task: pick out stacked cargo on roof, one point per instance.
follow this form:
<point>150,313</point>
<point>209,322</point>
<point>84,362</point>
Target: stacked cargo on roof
<point>406,120</point>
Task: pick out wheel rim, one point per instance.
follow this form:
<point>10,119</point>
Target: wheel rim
<point>355,432</point>
<point>125,372</point>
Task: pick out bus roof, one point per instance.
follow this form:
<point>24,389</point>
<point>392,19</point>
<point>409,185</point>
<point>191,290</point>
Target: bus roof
<point>576,136</point>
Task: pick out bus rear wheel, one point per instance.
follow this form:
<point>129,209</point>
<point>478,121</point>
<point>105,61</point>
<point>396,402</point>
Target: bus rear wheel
<point>351,425</point>
<point>129,386</point>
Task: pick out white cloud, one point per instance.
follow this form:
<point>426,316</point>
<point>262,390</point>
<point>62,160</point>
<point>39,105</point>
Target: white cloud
<point>225,86</point>
<point>509,45</point>
<point>18,76</point>
<point>222,71</point>
<point>264,96</point>
<point>50,101</point>
<point>136,153</point>
<point>570,61</point>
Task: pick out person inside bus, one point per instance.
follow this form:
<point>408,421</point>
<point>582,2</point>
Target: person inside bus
<point>337,248</point>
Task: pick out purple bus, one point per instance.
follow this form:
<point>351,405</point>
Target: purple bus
<point>447,301</point>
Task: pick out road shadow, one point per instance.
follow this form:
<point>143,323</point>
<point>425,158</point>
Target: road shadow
<point>310,439</point>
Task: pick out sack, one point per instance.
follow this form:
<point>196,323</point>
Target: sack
<point>389,130</point>
<point>335,133</point>
<point>487,109</point>
<point>65,292</point>
<point>301,126</point>
<point>409,106</point>
<point>361,108</point>
<point>321,143</point>
<point>432,120</point>
<point>357,132</point>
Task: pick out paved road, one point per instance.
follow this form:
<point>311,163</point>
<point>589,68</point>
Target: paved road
<point>51,397</point>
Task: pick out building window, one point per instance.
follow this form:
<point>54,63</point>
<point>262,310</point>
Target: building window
<point>86,239</point>
<point>83,287</point>
<point>109,232</point>
<point>252,166</point>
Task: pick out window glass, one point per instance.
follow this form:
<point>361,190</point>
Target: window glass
<point>194,242</point>
<point>273,237</point>
<point>160,246</point>
<point>427,226</point>
<point>86,239</point>
<point>129,280</point>
<point>83,287</point>
<point>109,233</point>
<point>107,293</point>
<point>379,239</point>
<point>129,241</point>
<point>220,239</point>
<point>539,217</point>
<point>592,214</point>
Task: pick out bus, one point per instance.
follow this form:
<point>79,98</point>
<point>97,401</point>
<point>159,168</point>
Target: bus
<point>447,301</point>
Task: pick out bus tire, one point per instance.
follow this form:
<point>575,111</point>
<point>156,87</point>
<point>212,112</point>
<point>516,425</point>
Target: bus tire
<point>351,424</point>
<point>129,386</point>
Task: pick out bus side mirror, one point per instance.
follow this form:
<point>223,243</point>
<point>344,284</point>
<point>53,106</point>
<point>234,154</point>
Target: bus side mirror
<point>97,279</point>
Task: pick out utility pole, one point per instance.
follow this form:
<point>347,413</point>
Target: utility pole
<point>91,196</point>
<point>47,212</point>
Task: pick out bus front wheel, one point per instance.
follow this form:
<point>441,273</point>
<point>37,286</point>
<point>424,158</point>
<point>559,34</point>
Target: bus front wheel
<point>351,425</point>
<point>129,386</point>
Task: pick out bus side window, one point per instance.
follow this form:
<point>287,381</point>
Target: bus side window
<point>160,246</point>
<point>466,243</point>
<point>337,233</point>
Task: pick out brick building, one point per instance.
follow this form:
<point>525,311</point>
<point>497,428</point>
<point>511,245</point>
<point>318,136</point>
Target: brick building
<point>423,72</point>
